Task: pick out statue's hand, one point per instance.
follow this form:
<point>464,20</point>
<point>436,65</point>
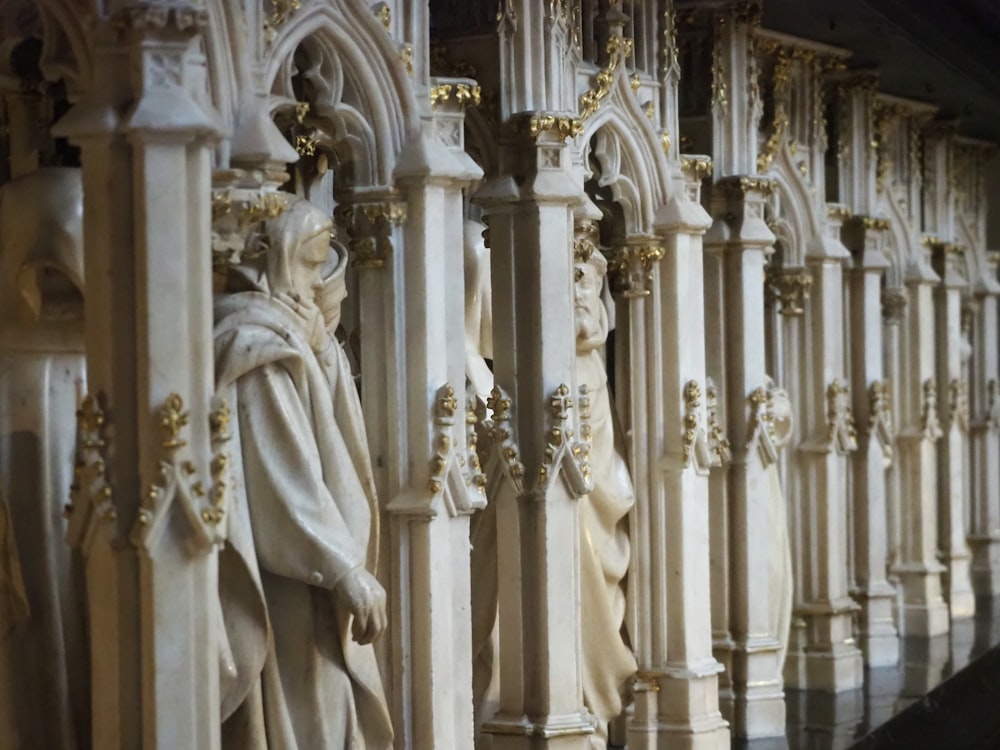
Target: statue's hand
<point>363,596</point>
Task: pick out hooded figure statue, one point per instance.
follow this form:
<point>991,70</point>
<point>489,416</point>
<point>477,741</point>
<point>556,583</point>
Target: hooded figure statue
<point>300,602</point>
<point>43,668</point>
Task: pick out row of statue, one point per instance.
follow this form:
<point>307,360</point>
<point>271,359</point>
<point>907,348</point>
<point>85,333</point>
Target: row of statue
<point>300,602</point>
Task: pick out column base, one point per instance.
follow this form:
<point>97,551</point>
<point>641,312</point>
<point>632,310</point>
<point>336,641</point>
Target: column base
<point>758,694</point>
<point>961,599</point>
<point>985,571</point>
<point>830,660</point>
<point>563,732</point>
<point>923,611</point>
<point>687,712</point>
<point>722,651</point>
<point>878,638</point>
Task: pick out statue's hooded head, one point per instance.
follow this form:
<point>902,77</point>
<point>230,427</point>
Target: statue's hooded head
<point>298,249</point>
<point>41,245</point>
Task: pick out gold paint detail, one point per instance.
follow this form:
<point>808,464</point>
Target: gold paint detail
<point>697,168</point>
<point>631,268</point>
<point>536,124</point>
<point>237,223</point>
<point>692,402</point>
<point>475,476</point>
<point>281,13</point>
<point>462,93</point>
<point>499,431</point>
<point>618,50</point>
<point>172,420</point>
<point>90,494</point>
<point>739,187</point>
<point>718,443</point>
<point>369,228</point>
<point>789,288</point>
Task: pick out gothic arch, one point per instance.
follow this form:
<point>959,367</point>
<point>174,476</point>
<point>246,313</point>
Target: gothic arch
<point>371,103</point>
<point>902,245</point>
<point>792,204</point>
<point>631,156</point>
<point>66,48</point>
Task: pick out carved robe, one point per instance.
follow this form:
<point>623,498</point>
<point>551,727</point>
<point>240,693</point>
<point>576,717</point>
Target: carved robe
<point>608,662</point>
<point>44,695</point>
<point>779,562</point>
<point>305,515</point>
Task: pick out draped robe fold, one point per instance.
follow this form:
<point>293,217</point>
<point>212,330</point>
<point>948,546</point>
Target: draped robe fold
<point>304,515</point>
<point>608,662</point>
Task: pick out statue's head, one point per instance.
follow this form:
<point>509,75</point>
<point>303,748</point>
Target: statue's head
<point>298,250</point>
<point>588,280</point>
<point>41,244</point>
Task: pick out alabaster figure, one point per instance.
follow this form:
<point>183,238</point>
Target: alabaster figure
<point>300,601</point>
<point>779,560</point>
<point>483,530</point>
<point>44,684</point>
<point>608,662</point>
<point>478,310</point>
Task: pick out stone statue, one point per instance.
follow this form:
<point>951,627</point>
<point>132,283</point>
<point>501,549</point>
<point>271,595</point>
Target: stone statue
<point>483,530</point>
<point>44,686</point>
<point>780,560</point>
<point>478,310</point>
<point>608,662</point>
<point>300,601</point>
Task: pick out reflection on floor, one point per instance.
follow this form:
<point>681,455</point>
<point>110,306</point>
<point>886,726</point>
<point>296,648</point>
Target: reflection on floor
<point>828,721</point>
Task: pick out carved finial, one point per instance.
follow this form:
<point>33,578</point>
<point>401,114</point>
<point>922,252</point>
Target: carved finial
<point>173,419</point>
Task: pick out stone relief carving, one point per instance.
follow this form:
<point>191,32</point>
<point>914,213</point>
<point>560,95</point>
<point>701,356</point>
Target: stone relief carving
<point>44,697</point>
<point>300,601</point>
<point>604,542</point>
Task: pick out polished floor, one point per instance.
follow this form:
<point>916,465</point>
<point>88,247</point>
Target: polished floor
<point>826,721</point>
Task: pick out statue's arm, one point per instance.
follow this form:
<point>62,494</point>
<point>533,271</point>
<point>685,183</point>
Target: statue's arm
<point>298,530</point>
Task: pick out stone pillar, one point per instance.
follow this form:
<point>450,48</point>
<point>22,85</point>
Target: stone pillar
<point>739,239</point>
<point>150,497</point>
<point>676,666</point>
<point>829,660</point>
<point>429,518</point>
<point>954,400</point>
<point>984,536</point>
<point>718,542</point>
<point>876,437</point>
<point>536,466</point>
<point>924,612</point>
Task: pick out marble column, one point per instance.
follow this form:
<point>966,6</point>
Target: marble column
<point>954,405</point>
<point>924,612</point>
<point>739,239</point>
<point>829,659</point>
<point>871,396</point>
<point>677,689</point>
<point>150,496</point>
<point>429,518</point>
<point>984,532</point>
<point>537,469</point>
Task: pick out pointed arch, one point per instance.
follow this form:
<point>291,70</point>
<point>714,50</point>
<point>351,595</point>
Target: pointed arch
<point>631,155</point>
<point>67,51</point>
<point>792,204</point>
<point>377,111</point>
